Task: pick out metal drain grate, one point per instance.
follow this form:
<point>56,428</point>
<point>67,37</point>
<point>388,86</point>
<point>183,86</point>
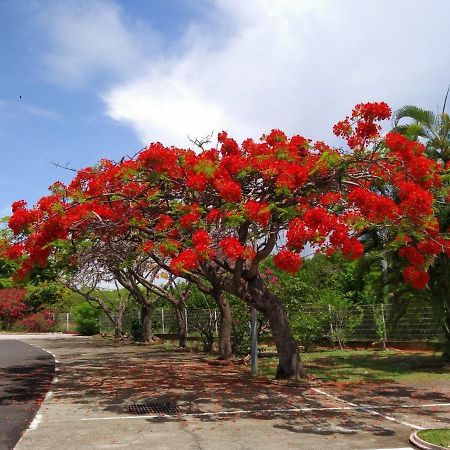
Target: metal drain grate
<point>153,408</point>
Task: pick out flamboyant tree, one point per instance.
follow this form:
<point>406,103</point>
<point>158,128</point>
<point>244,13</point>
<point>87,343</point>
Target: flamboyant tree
<point>214,215</point>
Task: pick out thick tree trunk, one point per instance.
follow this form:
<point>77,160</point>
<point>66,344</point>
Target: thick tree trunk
<point>225,351</point>
<point>289,362</point>
<point>181,321</point>
<point>146,323</point>
<point>118,325</point>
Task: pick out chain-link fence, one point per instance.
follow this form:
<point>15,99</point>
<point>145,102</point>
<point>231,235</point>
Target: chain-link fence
<point>369,323</point>
<point>364,323</point>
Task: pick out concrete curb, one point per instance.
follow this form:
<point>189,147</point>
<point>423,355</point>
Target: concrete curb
<point>420,443</point>
<point>37,417</point>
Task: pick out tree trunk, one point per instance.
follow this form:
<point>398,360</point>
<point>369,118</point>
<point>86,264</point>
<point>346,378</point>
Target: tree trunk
<point>225,351</point>
<point>181,321</point>
<point>118,324</point>
<point>146,323</point>
<point>289,362</point>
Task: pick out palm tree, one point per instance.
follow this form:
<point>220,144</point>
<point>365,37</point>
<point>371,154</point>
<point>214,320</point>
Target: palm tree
<point>430,128</point>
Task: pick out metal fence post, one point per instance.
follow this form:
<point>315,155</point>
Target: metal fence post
<point>162,319</point>
<point>384,327</point>
<point>215,322</point>
<point>331,324</point>
<point>186,319</point>
<point>67,321</point>
<point>254,344</point>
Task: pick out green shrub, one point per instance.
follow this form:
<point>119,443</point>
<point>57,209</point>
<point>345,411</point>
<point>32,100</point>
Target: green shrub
<point>310,328</point>
<point>240,336</point>
<point>241,329</point>
<point>136,330</point>
<point>87,319</point>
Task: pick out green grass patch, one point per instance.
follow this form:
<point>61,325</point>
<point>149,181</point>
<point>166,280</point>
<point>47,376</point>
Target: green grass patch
<point>439,437</point>
<point>367,365</point>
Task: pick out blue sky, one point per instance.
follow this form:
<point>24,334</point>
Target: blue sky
<point>101,78</point>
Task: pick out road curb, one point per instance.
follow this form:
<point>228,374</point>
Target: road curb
<point>37,417</point>
<point>420,443</point>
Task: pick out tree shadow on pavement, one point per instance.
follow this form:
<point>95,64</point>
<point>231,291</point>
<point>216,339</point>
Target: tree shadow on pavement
<point>109,376</point>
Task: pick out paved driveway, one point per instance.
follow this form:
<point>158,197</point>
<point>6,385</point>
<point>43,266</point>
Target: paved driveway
<point>220,407</point>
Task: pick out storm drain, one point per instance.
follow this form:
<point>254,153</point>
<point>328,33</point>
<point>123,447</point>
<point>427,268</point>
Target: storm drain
<point>154,408</point>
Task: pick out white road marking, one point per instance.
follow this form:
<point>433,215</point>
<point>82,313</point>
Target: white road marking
<point>369,410</point>
<point>36,421</point>
<point>424,405</point>
<point>351,407</point>
<point>38,417</point>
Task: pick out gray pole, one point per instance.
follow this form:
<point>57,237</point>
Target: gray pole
<point>215,322</point>
<point>384,328</point>
<point>254,349</point>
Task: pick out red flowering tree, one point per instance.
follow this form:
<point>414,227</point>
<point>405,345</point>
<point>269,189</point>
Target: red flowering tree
<point>12,307</point>
<point>40,321</point>
<point>214,215</point>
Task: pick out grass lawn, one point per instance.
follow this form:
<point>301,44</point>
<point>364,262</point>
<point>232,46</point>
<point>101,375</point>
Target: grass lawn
<point>348,365</point>
<point>367,365</point>
<point>437,437</point>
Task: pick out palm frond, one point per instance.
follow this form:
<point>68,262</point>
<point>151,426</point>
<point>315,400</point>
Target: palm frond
<point>413,131</point>
<point>422,116</point>
<point>445,100</point>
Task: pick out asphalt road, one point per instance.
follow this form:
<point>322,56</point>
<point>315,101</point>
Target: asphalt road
<point>26,373</point>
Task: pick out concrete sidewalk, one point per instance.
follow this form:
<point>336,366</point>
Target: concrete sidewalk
<point>220,406</point>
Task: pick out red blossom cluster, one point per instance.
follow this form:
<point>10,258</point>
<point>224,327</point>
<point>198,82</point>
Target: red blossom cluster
<point>148,246</point>
<point>202,245</point>
<point>188,220</point>
<point>187,260</point>
<point>288,261</point>
<point>412,163</point>
<point>417,278</point>
<point>233,249</point>
<point>375,207</point>
<point>258,212</point>
<point>163,222</point>
<point>362,126</point>
<point>415,273</point>
<point>297,234</point>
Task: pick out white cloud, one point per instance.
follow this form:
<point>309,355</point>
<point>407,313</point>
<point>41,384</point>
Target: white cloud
<point>91,38</point>
<point>251,66</point>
